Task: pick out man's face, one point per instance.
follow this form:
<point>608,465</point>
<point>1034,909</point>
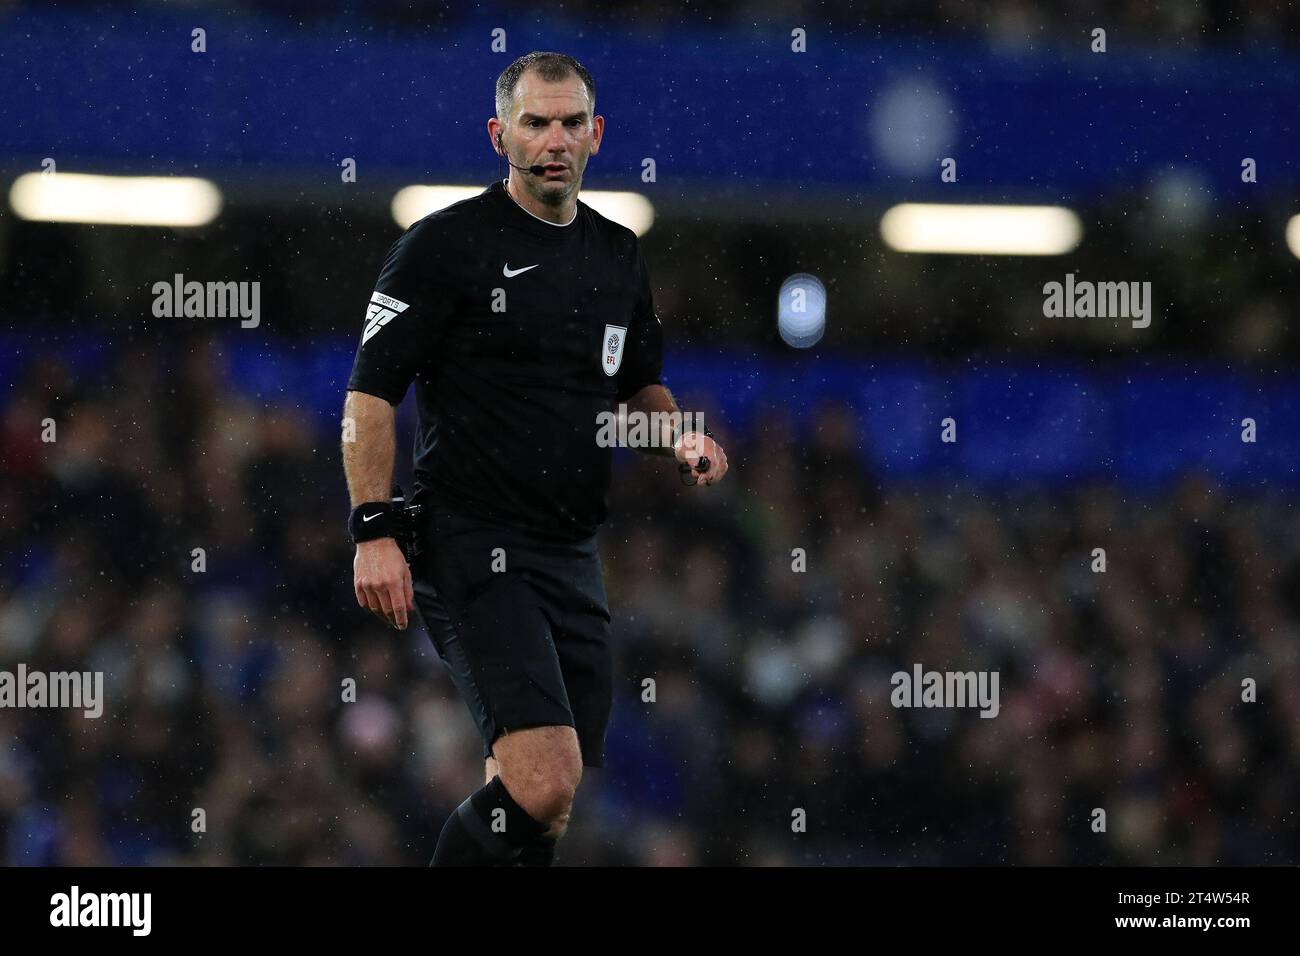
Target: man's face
<point>551,124</point>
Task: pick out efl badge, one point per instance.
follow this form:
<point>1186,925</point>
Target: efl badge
<point>612,351</point>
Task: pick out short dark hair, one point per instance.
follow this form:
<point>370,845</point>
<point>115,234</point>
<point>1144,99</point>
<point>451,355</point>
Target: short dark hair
<point>552,67</point>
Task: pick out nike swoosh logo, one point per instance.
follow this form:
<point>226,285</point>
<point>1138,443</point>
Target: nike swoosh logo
<point>511,273</point>
<point>365,518</point>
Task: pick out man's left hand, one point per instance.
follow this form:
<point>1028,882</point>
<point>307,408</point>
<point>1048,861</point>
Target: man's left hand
<point>692,446</point>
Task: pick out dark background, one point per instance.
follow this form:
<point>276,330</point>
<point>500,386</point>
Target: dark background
<point>1119,690</point>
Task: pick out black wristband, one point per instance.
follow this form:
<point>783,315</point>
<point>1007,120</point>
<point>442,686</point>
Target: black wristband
<point>371,520</point>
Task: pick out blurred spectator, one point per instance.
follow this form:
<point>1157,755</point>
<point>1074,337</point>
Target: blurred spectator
<point>746,691</point>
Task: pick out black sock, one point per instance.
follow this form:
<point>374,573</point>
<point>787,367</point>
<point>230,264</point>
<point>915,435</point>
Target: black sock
<point>541,852</point>
<point>488,829</point>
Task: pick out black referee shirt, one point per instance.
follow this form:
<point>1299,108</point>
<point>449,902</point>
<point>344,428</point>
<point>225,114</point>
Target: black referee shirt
<point>517,333</point>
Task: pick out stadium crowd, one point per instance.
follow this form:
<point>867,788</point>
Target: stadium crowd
<point>771,687</point>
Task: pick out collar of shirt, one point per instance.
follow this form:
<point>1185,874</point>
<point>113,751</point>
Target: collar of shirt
<point>517,215</point>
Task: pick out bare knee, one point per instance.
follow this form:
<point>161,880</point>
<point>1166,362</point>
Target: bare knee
<point>541,768</point>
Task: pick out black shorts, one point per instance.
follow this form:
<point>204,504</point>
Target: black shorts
<point>524,631</point>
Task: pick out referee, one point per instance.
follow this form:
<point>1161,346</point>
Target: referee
<point>522,316</point>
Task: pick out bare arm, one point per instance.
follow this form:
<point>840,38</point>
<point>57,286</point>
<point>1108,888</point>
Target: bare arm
<point>381,579</point>
<point>651,399</point>
<point>688,447</point>
<point>368,457</point>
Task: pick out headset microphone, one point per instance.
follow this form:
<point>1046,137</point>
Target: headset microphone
<point>537,169</point>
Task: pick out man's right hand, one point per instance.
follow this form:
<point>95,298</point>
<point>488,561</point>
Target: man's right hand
<point>382,581</point>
